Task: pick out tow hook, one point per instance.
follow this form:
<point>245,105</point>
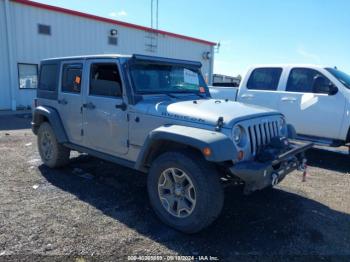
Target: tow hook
<point>303,168</point>
<point>274,177</point>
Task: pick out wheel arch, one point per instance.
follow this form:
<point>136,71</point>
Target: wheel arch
<point>48,114</point>
<point>175,137</point>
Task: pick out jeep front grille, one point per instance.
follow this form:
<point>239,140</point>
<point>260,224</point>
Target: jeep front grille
<point>260,134</point>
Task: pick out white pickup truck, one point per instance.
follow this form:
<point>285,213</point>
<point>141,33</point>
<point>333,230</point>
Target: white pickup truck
<point>314,99</point>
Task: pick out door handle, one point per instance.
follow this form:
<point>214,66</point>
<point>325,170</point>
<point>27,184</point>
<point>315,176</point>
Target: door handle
<point>89,106</point>
<point>122,106</point>
<point>289,99</point>
<point>62,101</point>
<point>247,96</point>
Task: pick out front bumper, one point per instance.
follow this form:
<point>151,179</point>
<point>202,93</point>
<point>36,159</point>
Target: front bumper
<point>258,175</point>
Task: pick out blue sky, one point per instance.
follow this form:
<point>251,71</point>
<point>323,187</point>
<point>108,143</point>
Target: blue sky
<point>250,31</point>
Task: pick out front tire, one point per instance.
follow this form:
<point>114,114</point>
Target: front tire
<point>52,153</point>
<point>185,191</point>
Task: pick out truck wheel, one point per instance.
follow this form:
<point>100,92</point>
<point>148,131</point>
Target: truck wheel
<point>52,153</point>
<point>185,191</point>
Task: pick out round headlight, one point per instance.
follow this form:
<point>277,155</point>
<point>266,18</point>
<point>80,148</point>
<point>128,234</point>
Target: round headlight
<point>237,134</point>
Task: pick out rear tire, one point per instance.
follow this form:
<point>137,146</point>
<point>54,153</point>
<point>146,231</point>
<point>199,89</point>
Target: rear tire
<point>52,153</point>
<point>191,201</point>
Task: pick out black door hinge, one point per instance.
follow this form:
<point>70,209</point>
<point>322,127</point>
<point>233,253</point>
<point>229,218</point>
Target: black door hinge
<point>127,143</point>
<point>81,132</point>
<point>127,117</point>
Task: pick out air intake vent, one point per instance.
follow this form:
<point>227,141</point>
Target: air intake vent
<point>44,29</point>
<point>112,40</point>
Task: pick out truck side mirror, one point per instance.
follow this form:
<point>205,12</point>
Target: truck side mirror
<point>322,85</point>
<point>332,89</point>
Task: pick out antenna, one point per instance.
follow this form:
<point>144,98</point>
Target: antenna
<point>157,14</point>
<point>154,14</point>
<point>217,47</point>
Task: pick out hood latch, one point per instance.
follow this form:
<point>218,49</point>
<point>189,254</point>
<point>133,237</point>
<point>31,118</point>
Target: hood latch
<point>219,123</point>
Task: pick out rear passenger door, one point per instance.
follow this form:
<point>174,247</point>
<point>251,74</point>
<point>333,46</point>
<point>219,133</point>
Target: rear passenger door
<point>70,99</point>
<point>308,105</point>
<point>260,88</point>
<point>104,109</point>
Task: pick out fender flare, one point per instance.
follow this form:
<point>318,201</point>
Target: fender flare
<point>222,147</point>
<point>53,117</point>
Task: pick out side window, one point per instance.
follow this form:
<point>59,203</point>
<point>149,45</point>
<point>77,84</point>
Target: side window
<point>48,77</point>
<point>264,79</point>
<point>71,78</point>
<point>306,80</point>
<point>105,80</point>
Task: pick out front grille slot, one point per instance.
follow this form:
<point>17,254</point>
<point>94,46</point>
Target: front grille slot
<point>261,134</point>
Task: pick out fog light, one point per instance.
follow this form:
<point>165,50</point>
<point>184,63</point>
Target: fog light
<point>207,151</point>
<point>240,155</point>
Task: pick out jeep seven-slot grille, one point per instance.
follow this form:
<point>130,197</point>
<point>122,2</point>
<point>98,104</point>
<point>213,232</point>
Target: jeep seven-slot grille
<point>261,134</point>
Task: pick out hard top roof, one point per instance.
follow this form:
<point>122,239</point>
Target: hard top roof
<point>138,57</point>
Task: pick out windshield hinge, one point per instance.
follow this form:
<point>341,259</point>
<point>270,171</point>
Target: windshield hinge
<point>219,123</point>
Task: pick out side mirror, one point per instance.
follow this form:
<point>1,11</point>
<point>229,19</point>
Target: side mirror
<point>332,89</point>
<point>322,85</point>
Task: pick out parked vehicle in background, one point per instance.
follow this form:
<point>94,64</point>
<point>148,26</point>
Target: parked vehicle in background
<point>314,99</point>
<point>156,115</point>
<point>224,92</point>
<point>225,80</point>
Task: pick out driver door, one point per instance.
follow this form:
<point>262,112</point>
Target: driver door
<point>309,105</point>
<point>105,120</point>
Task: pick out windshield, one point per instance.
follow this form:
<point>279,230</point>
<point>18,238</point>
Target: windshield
<point>341,76</point>
<point>165,79</point>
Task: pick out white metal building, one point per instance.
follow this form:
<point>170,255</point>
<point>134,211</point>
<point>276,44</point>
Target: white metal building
<point>31,31</point>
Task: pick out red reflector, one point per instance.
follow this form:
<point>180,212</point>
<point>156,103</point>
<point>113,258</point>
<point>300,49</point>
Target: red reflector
<point>240,155</point>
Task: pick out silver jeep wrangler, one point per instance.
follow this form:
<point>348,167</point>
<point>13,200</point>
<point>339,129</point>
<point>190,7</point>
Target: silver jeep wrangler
<point>156,115</point>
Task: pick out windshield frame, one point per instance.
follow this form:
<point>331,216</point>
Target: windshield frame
<point>341,76</point>
<point>202,82</point>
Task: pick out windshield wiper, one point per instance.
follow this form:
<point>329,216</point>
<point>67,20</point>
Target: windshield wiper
<point>192,93</point>
<point>171,95</point>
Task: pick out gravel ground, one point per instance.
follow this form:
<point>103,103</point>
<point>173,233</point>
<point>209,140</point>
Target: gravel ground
<point>92,207</point>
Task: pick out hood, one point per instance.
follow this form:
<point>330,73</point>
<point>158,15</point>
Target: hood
<point>204,111</point>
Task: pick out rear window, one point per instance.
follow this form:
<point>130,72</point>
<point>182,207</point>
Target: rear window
<point>71,78</point>
<point>264,79</point>
<point>48,77</point>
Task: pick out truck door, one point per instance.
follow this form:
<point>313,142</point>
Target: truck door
<point>70,99</point>
<point>309,104</point>
<point>260,87</point>
<point>104,114</point>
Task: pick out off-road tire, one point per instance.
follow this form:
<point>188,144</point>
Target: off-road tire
<point>60,153</point>
<point>206,181</point>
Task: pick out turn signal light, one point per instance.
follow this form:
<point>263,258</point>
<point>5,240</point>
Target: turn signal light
<point>207,151</point>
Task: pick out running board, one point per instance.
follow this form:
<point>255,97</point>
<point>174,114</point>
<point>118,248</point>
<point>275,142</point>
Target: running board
<point>321,141</point>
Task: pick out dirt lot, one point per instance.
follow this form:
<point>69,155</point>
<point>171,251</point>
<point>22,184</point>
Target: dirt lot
<point>96,208</point>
